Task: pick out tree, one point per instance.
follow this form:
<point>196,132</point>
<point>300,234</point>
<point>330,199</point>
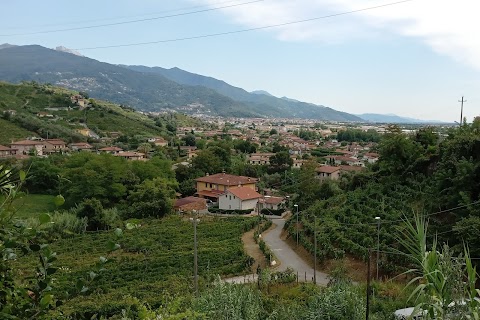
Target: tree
<point>152,198</point>
<point>281,161</point>
<point>95,176</point>
<point>273,131</point>
<point>189,140</point>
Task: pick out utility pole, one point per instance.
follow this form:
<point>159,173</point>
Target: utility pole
<point>378,242</point>
<point>195,221</point>
<point>296,206</point>
<point>367,312</point>
<point>461,111</point>
<point>315,250</point>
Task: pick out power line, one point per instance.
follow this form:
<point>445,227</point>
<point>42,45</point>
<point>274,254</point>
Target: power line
<point>245,30</point>
<point>131,21</point>
<point>125,17</point>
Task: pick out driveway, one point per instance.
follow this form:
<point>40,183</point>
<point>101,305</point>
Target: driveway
<point>288,257</point>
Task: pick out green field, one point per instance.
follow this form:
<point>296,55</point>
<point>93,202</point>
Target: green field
<point>30,205</point>
<point>155,258</point>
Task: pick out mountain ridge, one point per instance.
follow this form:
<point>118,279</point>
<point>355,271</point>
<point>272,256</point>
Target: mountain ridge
<point>393,118</point>
<point>147,89</point>
<point>297,109</point>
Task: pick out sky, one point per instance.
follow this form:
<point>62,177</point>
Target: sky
<point>413,58</point>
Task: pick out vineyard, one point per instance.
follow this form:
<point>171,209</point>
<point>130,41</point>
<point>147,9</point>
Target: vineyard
<point>155,258</point>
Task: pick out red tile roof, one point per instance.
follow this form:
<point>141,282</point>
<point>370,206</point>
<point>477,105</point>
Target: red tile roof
<point>210,193</point>
<point>227,179</point>
<point>55,141</point>
<point>272,200</point>
<point>187,200</point>
<point>3,148</point>
<point>26,143</point>
<point>244,193</point>
<point>83,145</point>
<point>327,169</point>
<point>111,149</point>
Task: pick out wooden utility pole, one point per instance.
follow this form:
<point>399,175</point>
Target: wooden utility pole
<point>367,312</point>
<point>461,111</point>
<point>195,221</point>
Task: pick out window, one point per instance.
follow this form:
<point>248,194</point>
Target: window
<point>230,198</point>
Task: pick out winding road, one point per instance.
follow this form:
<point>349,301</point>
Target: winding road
<point>287,257</point>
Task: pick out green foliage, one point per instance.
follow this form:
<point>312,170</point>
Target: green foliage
<point>357,135</point>
<point>225,301</point>
<point>340,301</point>
<point>102,117</point>
<point>151,198</point>
<point>155,256</point>
<point>63,224</point>
<point>280,161</point>
<point>441,292</point>
<point>415,173</point>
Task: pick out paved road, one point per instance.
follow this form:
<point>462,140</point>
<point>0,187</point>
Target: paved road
<point>288,257</point>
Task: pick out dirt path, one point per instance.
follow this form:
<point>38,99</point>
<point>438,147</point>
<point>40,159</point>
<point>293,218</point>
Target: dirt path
<point>252,249</point>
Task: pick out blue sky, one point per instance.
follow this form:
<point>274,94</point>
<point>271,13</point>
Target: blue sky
<point>413,59</point>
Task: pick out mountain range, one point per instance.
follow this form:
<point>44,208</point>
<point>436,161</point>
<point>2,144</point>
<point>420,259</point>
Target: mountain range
<point>393,118</point>
<point>151,89</point>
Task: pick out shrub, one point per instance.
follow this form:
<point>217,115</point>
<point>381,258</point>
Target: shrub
<point>277,212</point>
<point>63,224</point>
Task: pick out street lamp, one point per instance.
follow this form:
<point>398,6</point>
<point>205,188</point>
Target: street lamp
<point>378,242</point>
<point>195,221</point>
<point>296,206</point>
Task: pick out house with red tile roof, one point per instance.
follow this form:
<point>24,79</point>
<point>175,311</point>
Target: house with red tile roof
<point>271,202</point>
<point>81,146</point>
<point>6,152</point>
<point>111,150</point>
<point>239,198</point>
<point>28,146</point>
<point>131,155</point>
<point>212,186</point>
<point>54,146</point>
<point>327,172</point>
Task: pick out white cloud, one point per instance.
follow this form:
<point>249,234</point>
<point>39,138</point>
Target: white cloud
<point>449,27</point>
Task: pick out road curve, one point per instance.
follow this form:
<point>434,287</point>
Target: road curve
<point>288,257</point>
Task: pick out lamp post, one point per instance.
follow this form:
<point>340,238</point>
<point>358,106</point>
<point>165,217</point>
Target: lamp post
<point>195,221</point>
<point>296,206</point>
<point>315,250</point>
<point>378,242</point>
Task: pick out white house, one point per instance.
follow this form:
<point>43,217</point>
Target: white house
<point>239,198</point>
<point>273,203</point>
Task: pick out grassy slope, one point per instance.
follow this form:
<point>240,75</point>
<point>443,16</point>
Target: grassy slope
<point>156,257</point>
<point>33,204</point>
<point>27,100</point>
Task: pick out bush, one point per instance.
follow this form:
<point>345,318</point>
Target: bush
<point>63,224</point>
<point>98,218</point>
<point>269,212</point>
<point>224,211</point>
